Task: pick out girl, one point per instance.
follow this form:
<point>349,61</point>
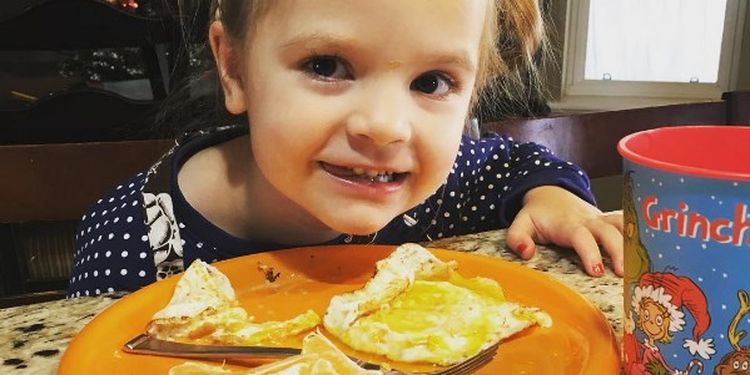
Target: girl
<point>356,110</point>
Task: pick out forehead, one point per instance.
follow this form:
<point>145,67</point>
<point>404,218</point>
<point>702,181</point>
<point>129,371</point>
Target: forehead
<point>403,27</point>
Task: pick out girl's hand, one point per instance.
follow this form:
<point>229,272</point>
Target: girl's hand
<point>554,215</point>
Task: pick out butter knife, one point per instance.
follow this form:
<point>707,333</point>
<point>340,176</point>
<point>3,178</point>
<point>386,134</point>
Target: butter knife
<point>145,344</point>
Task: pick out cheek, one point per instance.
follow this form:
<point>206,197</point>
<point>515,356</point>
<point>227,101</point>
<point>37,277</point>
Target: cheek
<point>277,151</point>
<point>436,152</point>
<point>287,126</point>
<point>290,119</point>
<point>283,160</point>
<point>438,143</point>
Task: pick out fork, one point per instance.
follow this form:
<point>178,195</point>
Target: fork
<point>465,367</point>
<point>144,344</point>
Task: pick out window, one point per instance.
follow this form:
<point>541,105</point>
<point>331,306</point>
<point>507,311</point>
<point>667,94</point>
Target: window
<point>621,54</point>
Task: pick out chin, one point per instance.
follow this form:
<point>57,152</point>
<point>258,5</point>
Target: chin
<point>358,224</point>
<point>360,229</point>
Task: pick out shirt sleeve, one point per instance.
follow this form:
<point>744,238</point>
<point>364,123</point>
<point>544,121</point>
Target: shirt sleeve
<point>531,165</point>
<point>486,186</point>
<point>112,251</point>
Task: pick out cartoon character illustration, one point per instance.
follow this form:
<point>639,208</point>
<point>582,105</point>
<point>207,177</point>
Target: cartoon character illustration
<point>637,261</point>
<point>659,300</point>
<point>736,362</point>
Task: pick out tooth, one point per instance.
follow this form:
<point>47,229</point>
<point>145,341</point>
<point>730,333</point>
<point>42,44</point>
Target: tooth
<point>358,171</point>
<point>372,173</point>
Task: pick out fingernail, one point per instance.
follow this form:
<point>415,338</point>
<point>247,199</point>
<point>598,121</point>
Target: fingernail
<point>598,269</point>
<point>521,248</point>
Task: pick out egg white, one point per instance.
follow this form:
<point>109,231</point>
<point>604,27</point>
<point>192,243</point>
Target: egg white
<point>417,308</point>
<point>205,310</point>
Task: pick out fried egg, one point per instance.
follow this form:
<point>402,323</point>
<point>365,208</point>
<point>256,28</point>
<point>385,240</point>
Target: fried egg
<point>205,310</point>
<point>417,308</point>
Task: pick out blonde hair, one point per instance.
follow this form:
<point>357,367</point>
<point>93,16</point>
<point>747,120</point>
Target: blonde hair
<point>513,33</point>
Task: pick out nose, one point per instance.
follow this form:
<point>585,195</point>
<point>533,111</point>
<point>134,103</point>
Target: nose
<point>382,116</point>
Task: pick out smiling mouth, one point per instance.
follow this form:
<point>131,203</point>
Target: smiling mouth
<point>363,175</point>
<point>654,332</point>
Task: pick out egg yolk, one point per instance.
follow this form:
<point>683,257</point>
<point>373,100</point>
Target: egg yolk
<point>439,322</point>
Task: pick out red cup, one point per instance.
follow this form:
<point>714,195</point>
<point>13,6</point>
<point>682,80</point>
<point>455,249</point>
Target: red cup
<point>686,204</point>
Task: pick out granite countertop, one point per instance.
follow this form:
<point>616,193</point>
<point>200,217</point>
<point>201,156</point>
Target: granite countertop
<point>33,337</point>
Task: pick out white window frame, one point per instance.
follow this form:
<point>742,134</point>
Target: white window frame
<point>579,93</point>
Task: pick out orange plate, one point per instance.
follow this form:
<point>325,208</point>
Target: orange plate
<point>580,341</point>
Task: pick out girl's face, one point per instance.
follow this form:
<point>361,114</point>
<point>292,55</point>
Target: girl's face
<point>357,106</point>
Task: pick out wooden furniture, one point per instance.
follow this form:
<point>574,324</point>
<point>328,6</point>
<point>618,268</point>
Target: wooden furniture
<point>66,149</point>
<point>78,113</point>
<point>87,24</point>
<point>78,116</point>
<point>45,190</point>
<point>590,139</point>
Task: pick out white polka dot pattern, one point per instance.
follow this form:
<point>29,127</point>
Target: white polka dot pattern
<point>483,191</point>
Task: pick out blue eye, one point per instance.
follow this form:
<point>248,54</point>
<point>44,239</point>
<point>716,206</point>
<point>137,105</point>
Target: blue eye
<point>327,67</point>
<point>432,83</point>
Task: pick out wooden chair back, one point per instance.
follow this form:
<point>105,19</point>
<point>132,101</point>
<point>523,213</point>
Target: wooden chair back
<point>46,189</point>
<point>55,182</point>
<point>590,139</point>
<point>84,115</point>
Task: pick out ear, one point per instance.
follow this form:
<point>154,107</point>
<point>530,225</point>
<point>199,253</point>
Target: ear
<point>228,67</point>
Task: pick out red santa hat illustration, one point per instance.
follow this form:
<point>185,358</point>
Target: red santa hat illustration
<point>675,293</point>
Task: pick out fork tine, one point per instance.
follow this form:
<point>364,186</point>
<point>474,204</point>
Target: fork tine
<point>470,365</point>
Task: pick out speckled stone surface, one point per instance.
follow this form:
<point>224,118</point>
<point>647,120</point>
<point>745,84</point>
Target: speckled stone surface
<point>34,337</point>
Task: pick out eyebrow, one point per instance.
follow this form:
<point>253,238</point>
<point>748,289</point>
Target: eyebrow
<point>459,58</point>
<point>318,39</point>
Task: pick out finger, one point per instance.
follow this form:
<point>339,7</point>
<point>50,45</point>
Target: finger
<point>520,236</point>
<point>584,243</point>
<point>614,218</point>
<point>611,240</point>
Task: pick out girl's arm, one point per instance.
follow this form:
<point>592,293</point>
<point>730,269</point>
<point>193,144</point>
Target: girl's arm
<point>485,188</point>
<point>498,183</point>
<point>552,203</point>
<point>551,214</point>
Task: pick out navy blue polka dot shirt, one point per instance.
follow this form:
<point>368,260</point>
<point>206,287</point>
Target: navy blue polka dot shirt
<point>145,230</point>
